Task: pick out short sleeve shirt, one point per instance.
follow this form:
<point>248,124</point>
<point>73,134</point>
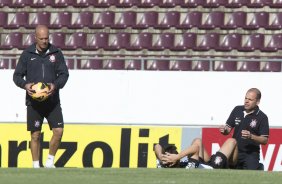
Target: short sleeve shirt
<point>255,122</point>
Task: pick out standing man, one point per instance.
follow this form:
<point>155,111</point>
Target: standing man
<point>251,129</point>
<point>43,62</point>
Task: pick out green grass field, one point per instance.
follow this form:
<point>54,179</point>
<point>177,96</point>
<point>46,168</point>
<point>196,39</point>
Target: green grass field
<point>135,176</point>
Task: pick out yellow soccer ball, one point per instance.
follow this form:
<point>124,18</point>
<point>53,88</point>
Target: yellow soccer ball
<point>41,89</point>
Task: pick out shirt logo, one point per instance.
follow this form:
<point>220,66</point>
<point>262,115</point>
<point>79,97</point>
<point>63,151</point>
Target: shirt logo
<point>253,124</point>
<point>32,59</point>
<point>52,58</point>
<point>237,121</point>
<point>37,124</point>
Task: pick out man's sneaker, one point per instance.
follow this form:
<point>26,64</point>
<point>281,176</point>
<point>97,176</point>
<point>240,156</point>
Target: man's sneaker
<point>50,166</point>
<point>204,166</point>
<point>191,165</point>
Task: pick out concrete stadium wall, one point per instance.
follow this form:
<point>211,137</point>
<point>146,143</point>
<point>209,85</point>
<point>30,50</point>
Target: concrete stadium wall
<point>151,97</point>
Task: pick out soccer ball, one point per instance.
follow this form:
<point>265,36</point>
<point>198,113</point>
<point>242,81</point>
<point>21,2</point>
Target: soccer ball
<point>41,90</point>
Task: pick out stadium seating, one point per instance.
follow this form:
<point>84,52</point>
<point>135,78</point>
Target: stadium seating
<point>3,19</point>
<point>270,66</point>
<point>75,41</point>
<point>162,41</point>
<point>184,41</point>
<point>170,3</point>
<point>229,42</point>
<point>200,65</point>
<point>17,20</point>
<point>189,20</point>
<point>126,3</point>
<point>114,64</point>
<point>192,3</point>
<point>43,18</point>
<point>102,20</point>
<point>133,64</point>
<point>167,20</point>
<point>234,20</point>
<point>140,41</point>
<point>275,21</point>
<point>256,20</point>
<point>207,42</point>
<point>225,65</point>
<point>124,20</point>
<point>11,40</point>
<point>96,41</point>
<point>249,66</point>
<point>58,39</point>
<point>81,20</point>
<point>181,65</point>
<point>20,3</point>
<point>146,20</point>
<point>60,20</point>
<point>212,20</point>
<point>157,64</point>
<point>251,42</point>
<point>28,39</point>
<point>272,43</point>
<point>118,41</point>
<point>90,64</point>
<point>41,3</point>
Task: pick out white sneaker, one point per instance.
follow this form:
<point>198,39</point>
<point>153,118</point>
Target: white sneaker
<point>204,166</point>
<point>50,166</point>
<point>191,165</point>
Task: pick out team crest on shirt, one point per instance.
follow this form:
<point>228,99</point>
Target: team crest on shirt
<point>253,124</point>
<point>37,124</point>
<point>52,58</point>
<point>217,160</point>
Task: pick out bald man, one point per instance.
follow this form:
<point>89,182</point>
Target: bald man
<point>42,62</point>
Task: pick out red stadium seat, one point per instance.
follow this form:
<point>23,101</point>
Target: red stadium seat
<point>11,40</point>
<point>103,19</point>
<point>114,64</point>
<point>140,41</point>
<point>162,41</point>
<point>181,65</point>
<point>156,64</point>
<point>118,41</point>
<point>37,18</point>
<point>97,41</point>
<point>17,20</point>
<point>81,20</point>
<point>184,41</point>
<point>92,64</point>
<point>225,65</point>
<point>146,19</point>
<point>60,20</point>
<point>190,20</point>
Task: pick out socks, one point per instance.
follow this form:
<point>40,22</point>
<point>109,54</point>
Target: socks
<point>50,161</point>
<point>35,164</point>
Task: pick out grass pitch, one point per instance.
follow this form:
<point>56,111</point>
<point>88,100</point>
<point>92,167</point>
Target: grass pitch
<point>135,176</point>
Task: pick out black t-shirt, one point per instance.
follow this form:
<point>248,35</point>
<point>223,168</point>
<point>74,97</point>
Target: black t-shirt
<point>256,123</point>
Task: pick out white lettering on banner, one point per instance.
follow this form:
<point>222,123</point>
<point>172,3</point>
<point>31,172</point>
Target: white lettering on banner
<point>278,161</point>
<point>215,147</point>
<point>268,155</point>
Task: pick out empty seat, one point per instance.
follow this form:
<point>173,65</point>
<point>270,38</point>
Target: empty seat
<point>4,3</point>
<point>81,20</point>
<point>103,3</point>
<point>258,3</point>
<point>3,19</point>
<point>214,3</point>
<point>248,64</point>
<point>212,20</point>
<point>192,3</point>
<point>228,42</point>
<point>271,66</point>
<point>157,64</point>
<point>200,65</point>
<point>103,19</point>
<point>236,3</point>
<point>184,41</point>
<point>256,20</point>
<point>167,20</point>
<point>57,39</point>
<point>37,18</point>
<point>133,64</point>
<point>97,41</point>
<point>170,3</point>
<point>190,20</point>
<point>11,40</point>
<point>206,42</point>
<point>148,3</point>
<point>114,64</point>
<point>251,42</point>
<point>4,63</point>
<point>92,64</point>
<point>275,4</point>
<point>28,39</point>
<point>75,41</point>
<point>181,65</point>
<point>126,3</point>
<point>72,63</point>
<point>274,21</point>
<point>82,3</point>
<point>272,43</point>
<point>63,3</point>
<point>124,20</point>
<point>234,20</point>
<point>17,20</point>
<point>225,65</point>
<point>140,41</point>
<point>162,41</point>
<point>60,20</point>
<point>21,3</point>
<point>146,19</point>
<point>41,3</point>
<point>118,41</point>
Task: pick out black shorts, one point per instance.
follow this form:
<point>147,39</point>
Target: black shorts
<point>37,113</point>
<point>218,161</point>
<point>248,161</point>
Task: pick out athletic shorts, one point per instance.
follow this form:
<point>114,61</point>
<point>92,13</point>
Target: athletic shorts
<point>248,161</point>
<point>37,113</point>
<point>218,161</point>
